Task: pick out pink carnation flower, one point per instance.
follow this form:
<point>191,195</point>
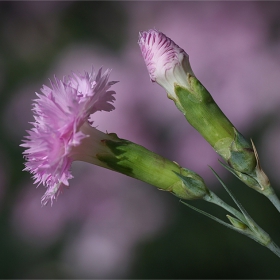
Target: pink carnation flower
<point>166,62</point>
<point>61,129</point>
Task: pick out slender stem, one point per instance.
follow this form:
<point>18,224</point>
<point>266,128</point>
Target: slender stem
<point>213,198</point>
<point>274,248</point>
<point>274,199</point>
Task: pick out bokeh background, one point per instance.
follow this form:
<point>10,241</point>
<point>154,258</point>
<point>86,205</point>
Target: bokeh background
<point>107,225</point>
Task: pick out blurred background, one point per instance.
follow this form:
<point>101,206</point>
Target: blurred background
<point>107,225</point>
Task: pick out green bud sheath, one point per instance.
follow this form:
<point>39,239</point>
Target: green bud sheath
<point>202,112</point>
<point>205,116</point>
<point>136,161</point>
<point>236,223</point>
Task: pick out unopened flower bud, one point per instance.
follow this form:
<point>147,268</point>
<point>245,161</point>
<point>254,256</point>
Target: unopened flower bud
<point>169,66</point>
<point>166,62</point>
<point>192,185</point>
<point>237,223</point>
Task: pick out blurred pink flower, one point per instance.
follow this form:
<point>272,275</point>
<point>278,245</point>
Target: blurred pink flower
<point>166,62</point>
<point>61,117</point>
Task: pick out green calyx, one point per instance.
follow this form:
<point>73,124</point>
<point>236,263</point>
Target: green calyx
<point>136,161</point>
<point>202,112</point>
<point>241,156</point>
<point>253,177</point>
<point>194,186</point>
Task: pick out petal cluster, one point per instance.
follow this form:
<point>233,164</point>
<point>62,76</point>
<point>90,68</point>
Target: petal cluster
<point>166,62</point>
<point>59,113</point>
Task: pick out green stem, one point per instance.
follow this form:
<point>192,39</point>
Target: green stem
<point>247,232</point>
<point>213,198</point>
<point>274,199</point>
<point>274,248</point>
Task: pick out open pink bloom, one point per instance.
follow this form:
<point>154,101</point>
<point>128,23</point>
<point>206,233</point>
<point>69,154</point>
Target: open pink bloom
<point>166,62</point>
<point>61,124</point>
